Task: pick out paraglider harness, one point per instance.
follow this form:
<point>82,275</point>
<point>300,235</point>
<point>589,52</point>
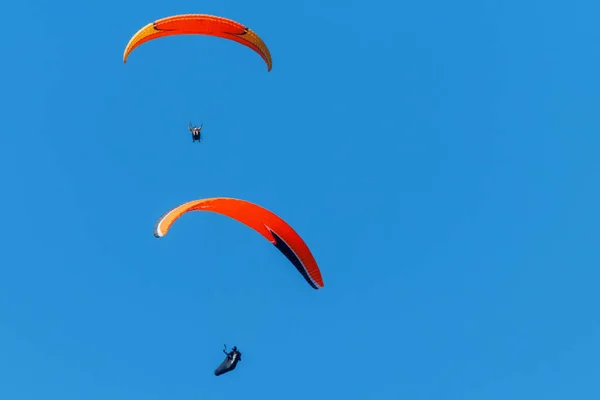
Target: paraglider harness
<point>196,135</point>
<point>230,362</point>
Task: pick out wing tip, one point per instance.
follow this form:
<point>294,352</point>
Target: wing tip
<point>158,233</point>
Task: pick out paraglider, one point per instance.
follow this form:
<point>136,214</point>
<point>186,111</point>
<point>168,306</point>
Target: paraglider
<point>231,360</point>
<point>200,24</point>
<point>196,132</point>
<point>263,221</point>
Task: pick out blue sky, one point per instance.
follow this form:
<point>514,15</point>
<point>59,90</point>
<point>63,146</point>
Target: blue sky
<point>439,158</point>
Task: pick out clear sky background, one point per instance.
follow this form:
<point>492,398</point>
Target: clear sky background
<point>439,158</point>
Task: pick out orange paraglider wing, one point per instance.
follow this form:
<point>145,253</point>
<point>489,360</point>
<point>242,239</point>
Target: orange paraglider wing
<point>269,225</point>
<point>200,24</point>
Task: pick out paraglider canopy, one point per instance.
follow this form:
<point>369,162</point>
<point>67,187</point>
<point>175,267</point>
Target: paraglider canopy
<point>200,24</point>
<point>263,221</point>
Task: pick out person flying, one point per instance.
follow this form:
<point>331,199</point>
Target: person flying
<point>196,132</point>
<point>230,362</point>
